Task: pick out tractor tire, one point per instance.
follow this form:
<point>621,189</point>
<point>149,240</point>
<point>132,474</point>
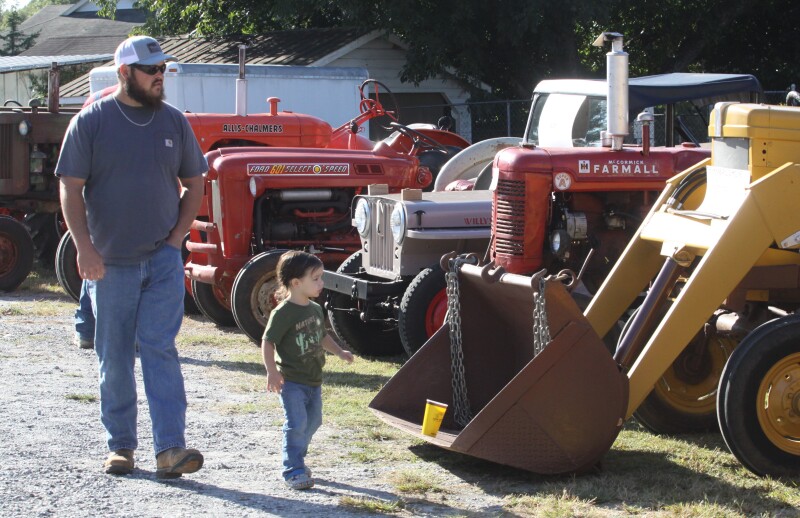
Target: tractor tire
<point>758,404</point>
<point>211,303</point>
<point>46,230</point>
<point>683,399</point>
<point>16,253</point>
<point>423,308</point>
<point>364,338</point>
<point>189,305</point>
<point>66,264</point>
<point>253,296</point>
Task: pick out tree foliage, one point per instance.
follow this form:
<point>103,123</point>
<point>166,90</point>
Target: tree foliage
<point>512,44</point>
<point>13,40</point>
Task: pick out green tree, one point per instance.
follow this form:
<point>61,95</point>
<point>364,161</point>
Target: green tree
<point>512,44</point>
<point>15,41</point>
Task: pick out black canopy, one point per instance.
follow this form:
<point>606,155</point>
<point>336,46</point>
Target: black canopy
<point>702,89</point>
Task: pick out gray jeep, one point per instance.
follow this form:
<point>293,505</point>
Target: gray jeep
<point>395,282</point>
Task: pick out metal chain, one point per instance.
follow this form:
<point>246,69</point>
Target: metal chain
<point>461,411</point>
<point>541,327</point>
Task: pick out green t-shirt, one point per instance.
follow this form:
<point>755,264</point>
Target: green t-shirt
<point>296,332</point>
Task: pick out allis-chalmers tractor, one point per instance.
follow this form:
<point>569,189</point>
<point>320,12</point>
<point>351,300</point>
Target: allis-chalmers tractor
<point>534,387</point>
<point>261,202</point>
<point>550,207</point>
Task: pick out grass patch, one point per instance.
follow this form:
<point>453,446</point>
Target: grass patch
<point>39,308</point>
<point>416,482</point>
<point>372,505</point>
<point>83,398</point>
<point>565,505</point>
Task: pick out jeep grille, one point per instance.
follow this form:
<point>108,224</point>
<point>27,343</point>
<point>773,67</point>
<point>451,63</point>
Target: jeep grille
<point>381,250</point>
<point>509,220</point>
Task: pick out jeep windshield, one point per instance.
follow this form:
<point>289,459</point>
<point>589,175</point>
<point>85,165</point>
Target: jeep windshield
<point>573,113</point>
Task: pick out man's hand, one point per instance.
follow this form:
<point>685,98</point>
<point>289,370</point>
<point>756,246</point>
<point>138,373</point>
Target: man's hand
<point>90,264</point>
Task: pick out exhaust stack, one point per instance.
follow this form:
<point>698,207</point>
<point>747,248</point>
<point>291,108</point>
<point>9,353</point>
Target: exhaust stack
<point>241,85</point>
<point>617,79</point>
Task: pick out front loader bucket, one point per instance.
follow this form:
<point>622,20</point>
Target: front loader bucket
<point>557,412</point>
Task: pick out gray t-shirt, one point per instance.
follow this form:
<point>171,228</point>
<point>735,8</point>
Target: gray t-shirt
<point>131,172</point>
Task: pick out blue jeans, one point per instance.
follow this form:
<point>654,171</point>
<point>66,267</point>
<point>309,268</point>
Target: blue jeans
<point>84,316</point>
<point>141,303</point>
<point>302,408</point>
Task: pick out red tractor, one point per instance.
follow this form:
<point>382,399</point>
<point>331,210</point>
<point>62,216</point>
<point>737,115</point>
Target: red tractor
<point>262,202</point>
<point>30,223</point>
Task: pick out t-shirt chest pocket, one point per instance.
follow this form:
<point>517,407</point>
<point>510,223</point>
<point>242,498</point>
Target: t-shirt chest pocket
<point>168,151</point>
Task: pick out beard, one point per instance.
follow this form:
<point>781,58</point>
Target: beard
<point>137,92</point>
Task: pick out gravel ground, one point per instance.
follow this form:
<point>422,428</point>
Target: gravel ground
<point>53,445</point>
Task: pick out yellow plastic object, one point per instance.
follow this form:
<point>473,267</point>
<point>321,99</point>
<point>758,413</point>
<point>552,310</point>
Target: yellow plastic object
<point>432,420</point>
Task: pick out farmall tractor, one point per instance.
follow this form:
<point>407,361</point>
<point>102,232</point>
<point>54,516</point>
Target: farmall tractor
<point>262,202</point>
<point>561,202</point>
<point>534,387</point>
<point>30,222</point>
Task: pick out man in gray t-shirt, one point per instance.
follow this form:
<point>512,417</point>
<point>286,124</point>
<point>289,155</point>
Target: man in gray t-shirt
<point>131,184</point>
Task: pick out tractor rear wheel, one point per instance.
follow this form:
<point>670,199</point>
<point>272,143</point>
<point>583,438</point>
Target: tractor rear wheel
<point>253,296</point>
<point>66,264</point>
<point>683,399</point>
<point>46,229</point>
<point>212,304</point>
<point>759,399</point>
<point>375,338</point>
<point>16,253</point>
<point>423,308</point>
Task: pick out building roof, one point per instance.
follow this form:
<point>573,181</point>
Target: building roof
<point>301,47</point>
<point>15,63</point>
<point>78,32</point>
<point>291,47</point>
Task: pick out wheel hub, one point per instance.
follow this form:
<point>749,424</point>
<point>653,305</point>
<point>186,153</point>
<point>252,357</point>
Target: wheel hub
<point>8,254</point>
<point>779,404</point>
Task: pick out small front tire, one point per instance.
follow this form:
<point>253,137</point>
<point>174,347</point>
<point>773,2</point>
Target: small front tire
<point>366,338</point>
<point>758,403</point>
<point>253,295</point>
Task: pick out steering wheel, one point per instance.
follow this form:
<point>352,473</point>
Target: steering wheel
<point>367,105</point>
<point>418,138</point>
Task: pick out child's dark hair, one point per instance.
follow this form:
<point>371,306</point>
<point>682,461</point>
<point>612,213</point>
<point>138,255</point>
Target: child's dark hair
<point>294,265</point>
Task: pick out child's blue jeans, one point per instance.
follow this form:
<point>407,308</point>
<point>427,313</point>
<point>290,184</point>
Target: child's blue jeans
<point>302,408</point>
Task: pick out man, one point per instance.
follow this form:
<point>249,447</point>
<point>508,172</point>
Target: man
<point>122,160</point>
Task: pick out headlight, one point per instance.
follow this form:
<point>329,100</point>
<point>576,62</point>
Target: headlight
<point>24,128</point>
<point>397,221</point>
<point>253,187</point>
<point>559,242</point>
<point>361,217</point>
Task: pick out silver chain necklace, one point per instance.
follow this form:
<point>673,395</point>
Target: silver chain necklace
<point>153,116</point>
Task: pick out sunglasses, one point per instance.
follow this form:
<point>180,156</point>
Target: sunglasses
<point>151,70</point>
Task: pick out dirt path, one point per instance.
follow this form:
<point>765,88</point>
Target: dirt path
<point>53,445</point>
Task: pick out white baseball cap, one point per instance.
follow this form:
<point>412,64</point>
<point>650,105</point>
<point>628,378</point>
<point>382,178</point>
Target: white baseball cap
<point>140,50</point>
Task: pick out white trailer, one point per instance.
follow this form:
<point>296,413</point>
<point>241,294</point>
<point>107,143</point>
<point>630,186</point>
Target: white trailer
<point>330,93</point>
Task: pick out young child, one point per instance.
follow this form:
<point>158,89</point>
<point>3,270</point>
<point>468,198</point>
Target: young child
<point>293,346</point>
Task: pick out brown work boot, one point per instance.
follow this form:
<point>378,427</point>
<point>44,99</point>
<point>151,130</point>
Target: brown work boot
<point>174,462</point>
<point>119,462</point>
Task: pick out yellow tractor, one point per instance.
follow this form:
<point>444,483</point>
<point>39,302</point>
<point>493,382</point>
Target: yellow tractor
<point>530,382</point>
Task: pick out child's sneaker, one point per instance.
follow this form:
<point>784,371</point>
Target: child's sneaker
<point>301,481</point>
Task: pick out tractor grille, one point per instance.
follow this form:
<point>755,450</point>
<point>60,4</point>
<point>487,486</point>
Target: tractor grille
<point>381,249</point>
<point>6,140</point>
<point>509,220</point>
